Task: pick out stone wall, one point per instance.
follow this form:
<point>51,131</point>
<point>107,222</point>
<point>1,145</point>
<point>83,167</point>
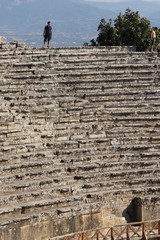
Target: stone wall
<point>79,139</point>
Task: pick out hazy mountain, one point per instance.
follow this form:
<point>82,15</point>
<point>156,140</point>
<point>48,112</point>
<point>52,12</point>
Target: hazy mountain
<point>142,6</point>
<point>74,21</point>
<point>145,8</point>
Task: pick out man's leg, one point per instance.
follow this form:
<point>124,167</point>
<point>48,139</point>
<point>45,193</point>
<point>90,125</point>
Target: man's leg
<point>48,42</point>
<point>44,42</point>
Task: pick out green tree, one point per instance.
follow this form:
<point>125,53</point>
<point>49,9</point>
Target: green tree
<point>131,29</point>
<point>157,45</point>
<point>93,42</point>
<point>106,33</point>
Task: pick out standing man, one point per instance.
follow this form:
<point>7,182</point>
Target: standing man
<point>153,39</point>
<point>47,34</point>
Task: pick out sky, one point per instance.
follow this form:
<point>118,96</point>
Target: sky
<point>120,0</point>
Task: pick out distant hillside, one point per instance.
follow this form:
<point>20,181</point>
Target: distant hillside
<point>73,22</point>
<point>145,8</point>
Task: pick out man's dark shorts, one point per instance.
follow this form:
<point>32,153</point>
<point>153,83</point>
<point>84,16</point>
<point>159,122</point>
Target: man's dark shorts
<point>153,41</point>
<point>47,38</point>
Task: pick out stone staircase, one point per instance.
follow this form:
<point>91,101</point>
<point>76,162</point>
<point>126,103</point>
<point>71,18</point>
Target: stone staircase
<point>79,130</point>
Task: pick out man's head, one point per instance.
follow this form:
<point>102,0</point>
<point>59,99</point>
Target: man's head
<point>49,22</point>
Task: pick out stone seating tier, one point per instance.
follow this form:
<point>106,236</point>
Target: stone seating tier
<point>79,128</point>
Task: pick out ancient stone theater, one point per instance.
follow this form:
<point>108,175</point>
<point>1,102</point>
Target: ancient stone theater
<point>79,143</point>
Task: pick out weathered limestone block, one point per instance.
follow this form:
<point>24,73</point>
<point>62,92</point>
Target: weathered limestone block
<point>79,140</point>
<point>2,40</point>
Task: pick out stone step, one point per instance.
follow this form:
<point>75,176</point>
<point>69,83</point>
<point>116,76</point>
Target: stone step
<point>100,75</point>
<point>99,106</point>
<point>82,190</point>
<point>28,208</point>
<point>125,158</point>
<point>102,150</point>
<point>94,144</point>
<point>47,193</point>
<point>64,211</point>
<point>81,92</point>
<point>59,51</point>
<point>95,138</point>
<point>95,53</point>
<point>28,185</point>
<point>104,84</point>
<point>40,161</point>
<point>100,165</point>
<point>150,192</point>
<point>76,51</point>
<point>28,211</point>
<point>122,100</point>
<point>101,60</point>
<point>82,96</point>
<point>36,68</point>
<point>83,109</point>
<point>116,175</point>
<point>109,82</point>
<point>53,61</point>
<point>109,67</point>
<point>32,185</point>
<point>102,184</point>
<point>112,79</point>
<point>103,134</point>
<point>76,126</point>
<point>64,205</point>
<point>79,76</point>
<point>25,65</point>
<point>65,67</point>
<point>25,171</point>
<point>8,58</point>
<point>123,110</point>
